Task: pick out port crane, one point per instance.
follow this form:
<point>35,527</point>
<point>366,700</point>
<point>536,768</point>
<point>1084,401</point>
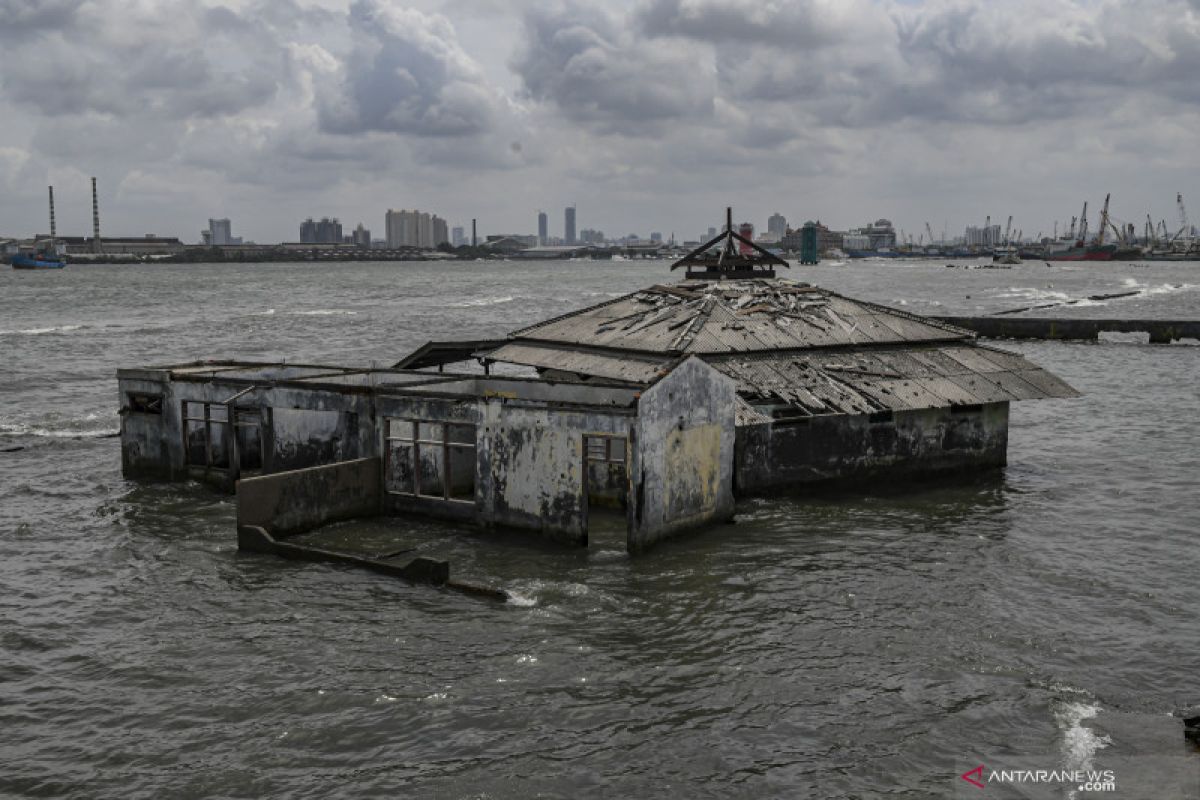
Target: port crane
<point>1083,226</point>
<point>1103,221</point>
<point>929,230</point>
<point>1183,219</point>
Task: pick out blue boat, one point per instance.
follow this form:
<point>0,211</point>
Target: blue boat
<point>44,254</point>
<point>42,258</point>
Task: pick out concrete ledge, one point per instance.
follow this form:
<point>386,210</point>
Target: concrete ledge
<point>432,571</point>
<point>1160,331</point>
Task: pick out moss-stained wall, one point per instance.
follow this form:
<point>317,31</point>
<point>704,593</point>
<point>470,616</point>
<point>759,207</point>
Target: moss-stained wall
<point>685,440</point>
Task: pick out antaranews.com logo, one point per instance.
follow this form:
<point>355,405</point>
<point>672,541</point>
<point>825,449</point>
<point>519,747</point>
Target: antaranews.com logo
<point>1100,780</point>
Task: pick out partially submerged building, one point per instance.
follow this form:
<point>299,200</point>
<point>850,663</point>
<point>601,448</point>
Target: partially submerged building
<point>664,403</point>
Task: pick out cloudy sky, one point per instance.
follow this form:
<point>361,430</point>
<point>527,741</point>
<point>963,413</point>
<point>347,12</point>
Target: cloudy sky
<point>647,114</point>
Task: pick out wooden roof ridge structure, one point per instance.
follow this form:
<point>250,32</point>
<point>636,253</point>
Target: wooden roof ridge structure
<point>730,261</point>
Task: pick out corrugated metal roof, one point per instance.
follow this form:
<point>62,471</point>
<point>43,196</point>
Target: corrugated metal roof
<point>619,367</point>
<point>737,316</point>
<point>892,378</point>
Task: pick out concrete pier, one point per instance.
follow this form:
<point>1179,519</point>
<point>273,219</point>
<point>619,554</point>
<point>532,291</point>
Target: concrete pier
<point>1161,331</point>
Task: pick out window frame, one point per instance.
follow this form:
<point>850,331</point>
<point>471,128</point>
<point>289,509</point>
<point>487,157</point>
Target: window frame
<point>411,443</point>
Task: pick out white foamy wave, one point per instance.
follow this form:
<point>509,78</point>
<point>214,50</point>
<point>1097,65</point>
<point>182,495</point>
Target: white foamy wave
<point>1031,293</point>
<point>483,301</point>
<point>1079,742</point>
<point>20,429</point>
<point>270,312</point>
<point>326,312</point>
<point>37,331</point>
<point>1168,288</point>
<point>521,600</point>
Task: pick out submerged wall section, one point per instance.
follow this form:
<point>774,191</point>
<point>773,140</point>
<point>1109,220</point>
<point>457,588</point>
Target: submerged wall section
<point>899,444</point>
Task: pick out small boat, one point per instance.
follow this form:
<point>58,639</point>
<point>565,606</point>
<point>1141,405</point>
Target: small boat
<point>1006,254</point>
<point>45,257</point>
<point>44,254</point>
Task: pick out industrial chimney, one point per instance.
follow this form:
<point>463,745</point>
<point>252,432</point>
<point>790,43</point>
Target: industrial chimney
<point>96,246</point>
<point>52,227</point>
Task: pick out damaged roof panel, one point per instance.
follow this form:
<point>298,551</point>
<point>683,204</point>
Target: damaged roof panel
<point>854,382</point>
<point>617,367</point>
<point>737,316</point>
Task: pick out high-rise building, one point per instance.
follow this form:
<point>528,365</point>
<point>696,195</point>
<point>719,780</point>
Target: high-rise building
<point>656,236</point>
<point>441,232</point>
<point>220,232</point>
<point>327,231</point>
<point>987,236</point>
<point>569,225</point>
<point>543,227</point>
<point>777,224</point>
<point>415,229</point>
<point>712,233</point>
<point>361,237</point>
<point>308,231</point>
<point>456,236</point>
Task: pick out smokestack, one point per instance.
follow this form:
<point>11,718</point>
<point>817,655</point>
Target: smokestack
<point>474,238</point>
<point>52,226</point>
<point>95,219</point>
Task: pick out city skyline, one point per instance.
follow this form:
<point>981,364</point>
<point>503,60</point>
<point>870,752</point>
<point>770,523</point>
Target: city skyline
<point>917,111</point>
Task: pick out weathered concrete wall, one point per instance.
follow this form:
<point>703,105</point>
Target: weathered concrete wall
<point>533,460</point>
<point>686,441</point>
<point>145,449</point>
<point>301,427</point>
<point>300,500</point>
<point>840,447</point>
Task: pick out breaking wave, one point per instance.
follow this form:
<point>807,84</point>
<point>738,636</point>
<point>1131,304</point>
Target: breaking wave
<point>1079,742</point>
<point>483,301</point>
<point>38,331</point>
<point>90,426</point>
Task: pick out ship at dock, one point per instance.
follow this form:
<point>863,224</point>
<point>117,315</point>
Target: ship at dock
<point>1078,248</point>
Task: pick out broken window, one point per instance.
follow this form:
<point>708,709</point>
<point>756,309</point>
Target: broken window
<point>247,429</point>
<point>143,403</point>
<point>205,434</point>
<point>605,470</point>
<point>430,459</point>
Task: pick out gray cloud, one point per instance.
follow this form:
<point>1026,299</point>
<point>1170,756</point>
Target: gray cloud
<point>266,109</point>
<point>592,68</point>
<point>406,74</point>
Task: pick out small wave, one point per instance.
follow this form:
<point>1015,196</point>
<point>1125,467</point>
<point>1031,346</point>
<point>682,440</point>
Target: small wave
<point>483,301</point>
<point>38,331</point>
<point>9,429</point>
<point>326,312</point>
<point>1030,293</point>
<point>1168,288</point>
<point>270,312</point>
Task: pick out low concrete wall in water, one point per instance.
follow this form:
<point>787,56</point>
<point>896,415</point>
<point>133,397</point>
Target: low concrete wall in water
<point>300,500</point>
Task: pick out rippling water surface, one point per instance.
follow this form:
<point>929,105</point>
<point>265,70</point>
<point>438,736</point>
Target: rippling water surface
<point>861,644</point>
